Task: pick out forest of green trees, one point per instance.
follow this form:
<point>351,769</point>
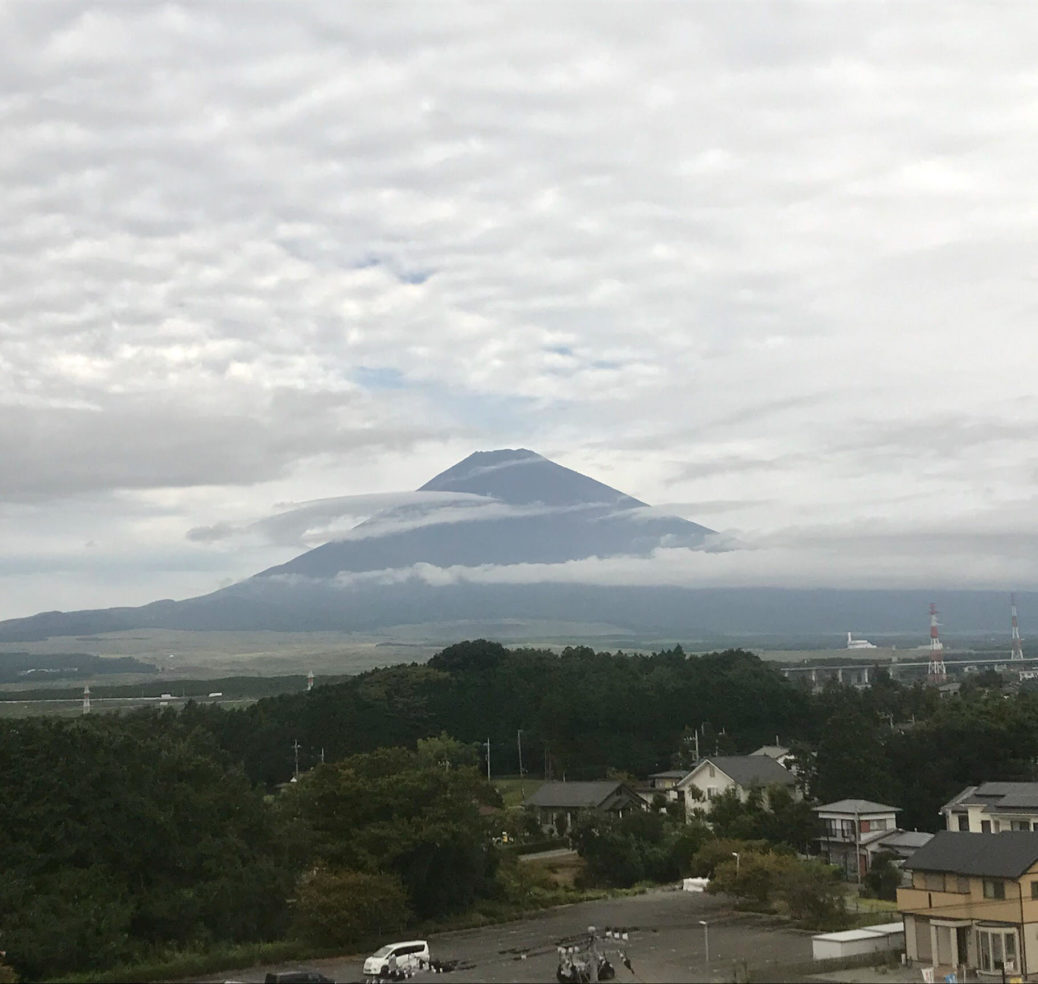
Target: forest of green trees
<point>126,836</point>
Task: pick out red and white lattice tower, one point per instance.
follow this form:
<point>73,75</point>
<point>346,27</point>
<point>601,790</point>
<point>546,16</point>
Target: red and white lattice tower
<point>1018,650</point>
<point>936,673</point>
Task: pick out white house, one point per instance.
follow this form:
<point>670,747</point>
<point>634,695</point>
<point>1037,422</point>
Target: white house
<point>993,807</point>
<point>713,776</point>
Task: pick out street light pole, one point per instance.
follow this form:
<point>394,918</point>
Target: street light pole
<point>735,854</point>
<point>706,937</point>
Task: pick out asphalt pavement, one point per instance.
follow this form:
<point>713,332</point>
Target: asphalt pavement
<point>667,941</point>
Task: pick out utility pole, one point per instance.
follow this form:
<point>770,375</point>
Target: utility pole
<point>295,748</point>
<point>519,742</point>
<point>706,938</point>
<point>857,849</point>
<point>486,745</point>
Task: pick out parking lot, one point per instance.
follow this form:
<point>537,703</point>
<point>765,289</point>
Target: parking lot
<point>667,942</point>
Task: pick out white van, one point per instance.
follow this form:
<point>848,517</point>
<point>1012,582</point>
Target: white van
<point>404,958</point>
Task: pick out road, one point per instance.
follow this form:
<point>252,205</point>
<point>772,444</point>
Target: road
<point>667,943</point>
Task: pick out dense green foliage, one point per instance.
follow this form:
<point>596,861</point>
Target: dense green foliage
<point>340,908</point>
<point>120,833</point>
<point>126,836</point>
<point>809,891</point>
<point>581,712</point>
<point>774,815</point>
<point>621,851</point>
<point>409,814</point>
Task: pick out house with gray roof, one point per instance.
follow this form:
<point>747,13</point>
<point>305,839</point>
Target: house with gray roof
<point>993,807</point>
<point>559,804</point>
<point>973,903</point>
<point>849,828</point>
<point>855,831</point>
<point>711,777</point>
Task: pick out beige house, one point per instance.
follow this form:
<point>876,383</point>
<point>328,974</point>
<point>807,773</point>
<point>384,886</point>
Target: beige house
<point>993,807</point>
<point>973,903</point>
<point>713,776</point>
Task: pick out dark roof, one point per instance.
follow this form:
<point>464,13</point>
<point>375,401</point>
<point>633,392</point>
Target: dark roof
<point>998,795</point>
<point>749,770</point>
<point>1005,855</point>
<point>670,774</point>
<point>577,795</point>
<point>910,840</point>
<point>856,806</point>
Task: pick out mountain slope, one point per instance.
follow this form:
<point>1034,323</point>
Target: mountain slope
<point>467,562</point>
<point>512,507</point>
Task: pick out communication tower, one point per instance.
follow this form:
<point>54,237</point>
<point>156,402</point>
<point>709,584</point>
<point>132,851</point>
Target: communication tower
<point>936,672</point>
<point>1018,651</point>
<point>310,680</point>
<point>86,699</point>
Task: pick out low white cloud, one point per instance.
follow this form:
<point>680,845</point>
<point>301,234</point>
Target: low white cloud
<point>734,563</point>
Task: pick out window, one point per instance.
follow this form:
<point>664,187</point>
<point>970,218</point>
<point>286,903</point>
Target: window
<point>964,822</point>
<point>712,771</point>
<point>933,881</point>
<point>962,885</point>
<point>985,826</point>
<point>994,889</point>
<point>997,948</point>
<point>1034,890</point>
<point>711,792</point>
<point>1020,825</point>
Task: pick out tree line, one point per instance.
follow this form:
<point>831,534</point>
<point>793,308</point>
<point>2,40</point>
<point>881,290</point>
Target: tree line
<point>128,835</point>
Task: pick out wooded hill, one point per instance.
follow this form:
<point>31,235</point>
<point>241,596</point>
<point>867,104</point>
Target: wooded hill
<point>129,835</point>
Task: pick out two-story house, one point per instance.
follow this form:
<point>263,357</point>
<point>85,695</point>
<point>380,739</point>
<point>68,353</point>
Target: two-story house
<point>712,776</point>
<point>993,807</point>
<point>973,902</point>
<point>852,829</point>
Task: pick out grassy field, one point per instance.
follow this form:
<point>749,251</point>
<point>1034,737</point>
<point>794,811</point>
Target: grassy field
<point>201,655</point>
<point>514,790</point>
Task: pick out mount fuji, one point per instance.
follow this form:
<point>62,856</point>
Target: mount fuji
<point>511,545</point>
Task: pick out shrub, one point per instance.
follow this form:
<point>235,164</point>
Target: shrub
<point>344,908</point>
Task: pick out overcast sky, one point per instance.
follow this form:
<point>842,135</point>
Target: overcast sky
<point>771,266</point>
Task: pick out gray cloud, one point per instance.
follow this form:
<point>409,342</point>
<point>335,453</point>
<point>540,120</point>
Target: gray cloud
<point>773,255</point>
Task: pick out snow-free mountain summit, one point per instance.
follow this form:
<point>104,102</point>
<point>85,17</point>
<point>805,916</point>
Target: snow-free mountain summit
<point>508,544</point>
<point>428,561</point>
<point>500,508</point>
